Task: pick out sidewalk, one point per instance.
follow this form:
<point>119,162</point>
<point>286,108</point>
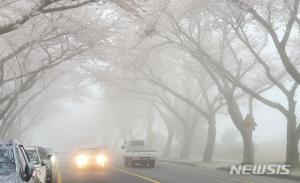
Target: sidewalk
<point>224,165</point>
<point>199,163</point>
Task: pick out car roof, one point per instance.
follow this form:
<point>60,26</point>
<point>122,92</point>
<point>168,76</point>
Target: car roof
<point>34,148</point>
<point>49,149</point>
<point>30,147</point>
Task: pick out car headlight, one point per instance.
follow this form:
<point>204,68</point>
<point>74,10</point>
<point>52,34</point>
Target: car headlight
<point>82,160</point>
<point>101,159</point>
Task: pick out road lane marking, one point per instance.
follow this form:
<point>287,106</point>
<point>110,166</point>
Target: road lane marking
<point>211,175</point>
<point>136,175</point>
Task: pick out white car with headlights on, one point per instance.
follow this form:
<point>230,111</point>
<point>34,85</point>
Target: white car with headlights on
<point>92,158</point>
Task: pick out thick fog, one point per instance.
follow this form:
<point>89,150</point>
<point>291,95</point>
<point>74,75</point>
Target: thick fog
<point>87,123</point>
<point>181,75</point>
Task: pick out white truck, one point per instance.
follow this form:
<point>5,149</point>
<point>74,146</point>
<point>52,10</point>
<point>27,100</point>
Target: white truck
<point>137,153</point>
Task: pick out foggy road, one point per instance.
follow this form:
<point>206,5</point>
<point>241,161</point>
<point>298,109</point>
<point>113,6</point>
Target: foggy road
<point>87,81</point>
<point>162,173</point>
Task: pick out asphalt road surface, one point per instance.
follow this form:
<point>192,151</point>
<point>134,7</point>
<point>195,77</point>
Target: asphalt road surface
<point>162,173</point>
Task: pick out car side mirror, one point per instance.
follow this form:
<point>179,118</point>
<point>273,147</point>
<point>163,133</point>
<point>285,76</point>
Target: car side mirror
<point>29,169</point>
<point>49,156</point>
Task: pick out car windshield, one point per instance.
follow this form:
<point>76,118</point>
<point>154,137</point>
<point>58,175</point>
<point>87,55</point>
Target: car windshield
<point>7,161</point>
<point>33,156</point>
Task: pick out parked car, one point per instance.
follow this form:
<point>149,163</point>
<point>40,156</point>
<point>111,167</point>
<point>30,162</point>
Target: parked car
<point>38,157</point>
<point>92,158</point>
<point>51,176</point>
<point>137,153</point>
<point>14,163</point>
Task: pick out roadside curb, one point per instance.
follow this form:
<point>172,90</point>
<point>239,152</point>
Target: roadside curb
<point>289,177</point>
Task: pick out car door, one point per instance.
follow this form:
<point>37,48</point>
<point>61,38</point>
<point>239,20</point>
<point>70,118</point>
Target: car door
<point>23,161</point>
<point>43,160</point>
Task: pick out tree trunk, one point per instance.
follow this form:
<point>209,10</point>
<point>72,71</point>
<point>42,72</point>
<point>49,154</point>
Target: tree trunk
<point>150,127</point>
<point>187,143</point>
<point>292,153</point>
<point>168,146</point>
<point>248,153</point>
<point>238,120</point>
<point>298,135</point>
<point>210,142</point>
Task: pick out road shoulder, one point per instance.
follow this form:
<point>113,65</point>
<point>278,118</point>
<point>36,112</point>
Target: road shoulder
<point>225,166</point>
